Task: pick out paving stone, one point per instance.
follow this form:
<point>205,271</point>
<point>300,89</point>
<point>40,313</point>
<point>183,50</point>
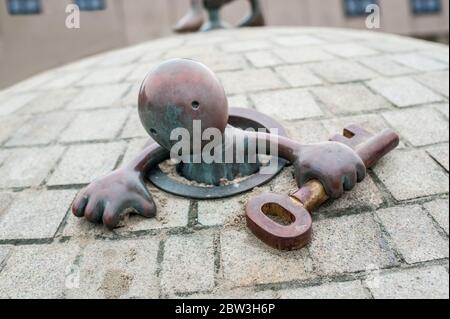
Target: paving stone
<point>333,290</point>
<point>422,283</point>
<point>120,57</point>
<point>440,54</point>
<point>193,53</point>
<point>364,195</point>
<point>307,131</point>
<point>349,98</point>
<point>419,62</point>
<point>40,129</point>
<point>238,293</point>
<point>171,212</point>
<point>6,199</point>
<point>9,124</point>
<point>342,71</point>
<point>403,91</point>
<point>442,108</point>
<point>239,101</point>
<point>440,154</point>
<point>95,125</point>
<point>35,214</point>
<point>49,101</point>
<point>411,174</point>
<point>219,212</point>
<point>438,209</point>
<point>420,126</point>
<point>117,269</point>
<point>133,127</point>
<point>100,96</point>
<point>135,146</point>
<point>287,104</point>
<point>302,55</point>
<point>298,75</point>
<point>219,62</point>
<point>106,76</point>
<point>413,234</point>
<point>255,80</point>
<point>243,46</point>
<point>437,81</point>
<point>140,72</point>
<point>64,81</point>
<point>38,271</point>
<point>392,45</point>
<point>15,102</point>
<point>33,83</point>
<point>188,264</point>
<point>5,251</point>
<point>385,66</point>
<point>245,261</point>
<point>349,50</point>
<point>261,59</point>
<point>83,163</point>
<point>297,40</point>
<point>349,244</point>
<point>131,96</point>
<point>25,167</point>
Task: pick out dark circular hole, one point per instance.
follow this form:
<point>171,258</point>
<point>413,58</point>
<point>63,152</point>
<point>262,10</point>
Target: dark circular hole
<point>153,131</point>
<point>195,105</point>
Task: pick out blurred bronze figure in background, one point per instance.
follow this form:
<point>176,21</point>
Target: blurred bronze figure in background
<point>193,20</point>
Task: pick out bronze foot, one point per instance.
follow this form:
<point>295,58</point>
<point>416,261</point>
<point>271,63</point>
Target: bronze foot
<point>192,21</point>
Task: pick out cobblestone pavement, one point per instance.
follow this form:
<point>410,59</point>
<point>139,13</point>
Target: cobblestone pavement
<point>387,238</point>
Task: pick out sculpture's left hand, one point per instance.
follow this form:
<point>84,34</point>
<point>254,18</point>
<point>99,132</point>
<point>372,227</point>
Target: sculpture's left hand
<point>335,165</point>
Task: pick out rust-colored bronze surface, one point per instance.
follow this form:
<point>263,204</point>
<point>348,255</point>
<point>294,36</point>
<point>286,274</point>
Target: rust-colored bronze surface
<point>369,148</point>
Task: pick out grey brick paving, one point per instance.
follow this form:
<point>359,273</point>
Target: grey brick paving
<point>188,264</point>
<point>75,169</point>
<point>284,104</point>
<point>348,244</point>
<point>420,126</point>
<point>440,154</point>
<point>422,283</point>
<point>438,209</point>
<point>298,75</point>
<point>342,71</point>
<point>247,261</point>
<point>98,96</point>
<point>349,98</point>
<point>387,238</point>
<point>35,214</point>
<point>40,129</point>
<point>23,167</point>
<point>98,125</point>
<point>38,271</point>
<point>404,91</point>
<point>413,234</point>
<point>119,269</point>
<point>337,290</point>
<point>411,174</point>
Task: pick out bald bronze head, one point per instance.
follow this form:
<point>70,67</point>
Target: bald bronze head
<point>177,92</point>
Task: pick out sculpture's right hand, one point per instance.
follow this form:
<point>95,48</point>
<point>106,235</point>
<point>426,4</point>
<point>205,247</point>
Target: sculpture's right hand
<point>111,197</point>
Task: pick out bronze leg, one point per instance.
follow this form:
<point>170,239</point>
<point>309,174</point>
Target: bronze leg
<point>192,20</point>
<point>256,18</point>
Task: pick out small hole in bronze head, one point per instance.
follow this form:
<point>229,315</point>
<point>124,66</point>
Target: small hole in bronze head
<point>153,131</point>
<point>195,105</point>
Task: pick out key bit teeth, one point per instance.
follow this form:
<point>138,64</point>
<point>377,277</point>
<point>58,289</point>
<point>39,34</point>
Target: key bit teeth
<point>353,130</point>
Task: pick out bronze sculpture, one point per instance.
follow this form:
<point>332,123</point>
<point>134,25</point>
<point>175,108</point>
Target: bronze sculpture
<point>174,95</point>
<point>193,20</point>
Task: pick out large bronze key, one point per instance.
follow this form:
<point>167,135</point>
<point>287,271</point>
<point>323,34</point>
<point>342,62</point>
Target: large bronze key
<point>297,206</point>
